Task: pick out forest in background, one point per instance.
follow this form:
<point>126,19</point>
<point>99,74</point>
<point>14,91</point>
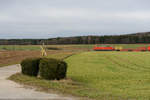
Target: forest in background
<point>109,39</point>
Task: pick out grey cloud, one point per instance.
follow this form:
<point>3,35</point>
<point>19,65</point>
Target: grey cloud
<point>52,18</point>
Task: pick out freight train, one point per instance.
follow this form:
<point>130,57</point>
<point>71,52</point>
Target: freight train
<point>109,48</point>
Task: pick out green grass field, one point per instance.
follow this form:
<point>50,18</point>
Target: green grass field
<point>19,47</point>
<point>88,46</point>
<point>102,76</point>
<point>112,75</point>
<point>37,47</point>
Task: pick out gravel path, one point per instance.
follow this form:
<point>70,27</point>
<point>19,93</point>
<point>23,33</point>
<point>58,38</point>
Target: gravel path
<point>10,90</point>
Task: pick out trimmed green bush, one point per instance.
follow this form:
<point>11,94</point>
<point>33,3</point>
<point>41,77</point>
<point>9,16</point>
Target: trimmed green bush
<point>52,69</point>
<point>61,70</point>
<point>30,66</point>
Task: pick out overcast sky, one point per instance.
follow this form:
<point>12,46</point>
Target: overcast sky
<point>55,18</point>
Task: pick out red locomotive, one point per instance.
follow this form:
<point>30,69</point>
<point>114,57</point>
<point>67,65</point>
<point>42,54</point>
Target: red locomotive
<point>103,48</point>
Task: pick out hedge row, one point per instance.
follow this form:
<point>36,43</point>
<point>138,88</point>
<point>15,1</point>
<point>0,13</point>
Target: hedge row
<point>47,68</point>
<point>30,66</point>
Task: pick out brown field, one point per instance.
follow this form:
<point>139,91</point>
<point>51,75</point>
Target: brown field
<point>9,56</point>
<point>13,57</point>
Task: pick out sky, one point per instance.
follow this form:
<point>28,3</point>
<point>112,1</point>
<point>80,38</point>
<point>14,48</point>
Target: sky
<point>63,18</point>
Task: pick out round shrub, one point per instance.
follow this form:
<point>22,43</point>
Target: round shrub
<point>52,69</point>
<point>30,66</point>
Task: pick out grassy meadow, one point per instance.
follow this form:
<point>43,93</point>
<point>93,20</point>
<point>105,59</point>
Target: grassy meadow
<point>19,47</point>
<point>65,47</point>
<point>96,75</point>
<point>112,75</point>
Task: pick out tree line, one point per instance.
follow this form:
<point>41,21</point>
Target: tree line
<point>117,39</point>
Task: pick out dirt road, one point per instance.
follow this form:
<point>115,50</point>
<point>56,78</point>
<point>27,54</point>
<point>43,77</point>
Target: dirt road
<point>10,90</point>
